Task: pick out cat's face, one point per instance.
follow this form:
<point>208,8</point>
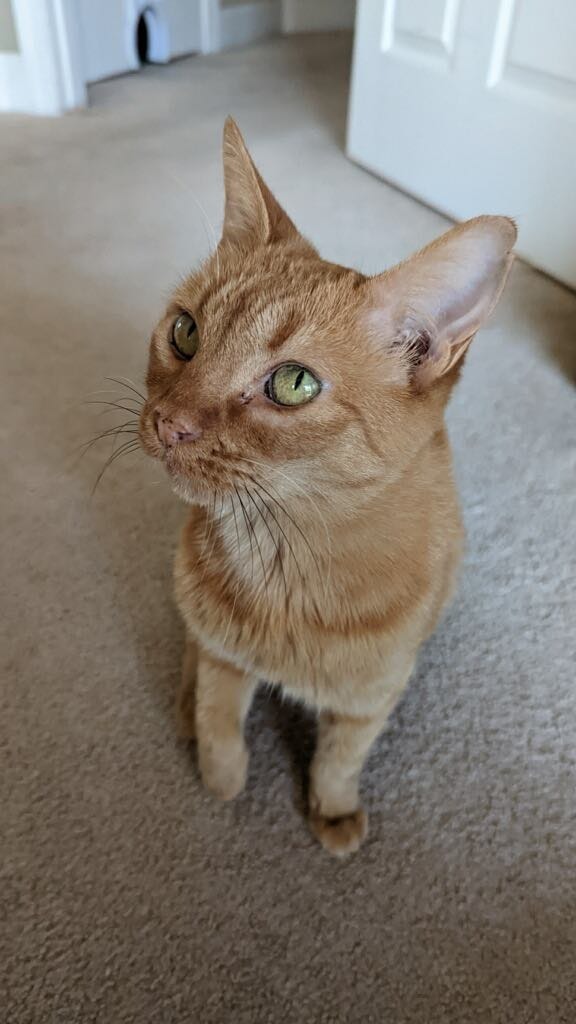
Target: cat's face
<point>274,365</point>
<point>263,365</point>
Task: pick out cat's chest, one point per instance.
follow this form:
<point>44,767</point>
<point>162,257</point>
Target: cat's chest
<point>270,627</point>
<point>317,641</point>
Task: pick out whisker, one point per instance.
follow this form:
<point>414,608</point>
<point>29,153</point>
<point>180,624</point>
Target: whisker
<point>112,391</point>
<point>116,429</point>
<point>211,235</point>
<point>115,405</point>
<point>273,538</point>
<point>236,525</point>
<point>127,383</point>
<point>238,575</point>
<point>304,493</point>
<point>249,530</point>
<point>115,434</point>
<point>259,548</point>
<point>208,528</point>
<point>295,524</point>
<point>208,228</point>
<point>279,525</point>
<point>125,449</point>
<point>214,535</point>
<point>82,449</point>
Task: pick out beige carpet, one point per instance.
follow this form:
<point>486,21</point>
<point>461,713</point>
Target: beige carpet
<point>127,894</point>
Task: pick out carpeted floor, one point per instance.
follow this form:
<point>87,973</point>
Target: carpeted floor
<point>127,894</point>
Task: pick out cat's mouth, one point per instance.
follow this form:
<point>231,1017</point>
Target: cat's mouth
<point>197,472</point>
<point>188,478</point>
<point>198,478</point>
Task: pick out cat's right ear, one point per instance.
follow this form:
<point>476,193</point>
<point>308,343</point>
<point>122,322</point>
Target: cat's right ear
<point>252,216</point>
<point>430,307</point>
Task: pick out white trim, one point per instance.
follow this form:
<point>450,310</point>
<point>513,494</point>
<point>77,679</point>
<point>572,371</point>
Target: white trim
<point>14,94</point>
<point>317,15</point>
<point>69,48</point>
<point>44,76</point>
<point>132,14</point>
<point>210,25</point>
<point>244,23</point>
<point>39,51</point>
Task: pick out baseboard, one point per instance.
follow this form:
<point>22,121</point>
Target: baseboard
<point>319,16</point>
<point>244,23</point>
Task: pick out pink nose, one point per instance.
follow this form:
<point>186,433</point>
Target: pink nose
<point>176,430</point>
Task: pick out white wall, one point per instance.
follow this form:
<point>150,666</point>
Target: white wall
<point>107,32</point>
<point>242,23</point>
<point>57,46</point>
<point>184,20</point>
<point>317,15</point>
<point>102,39</point>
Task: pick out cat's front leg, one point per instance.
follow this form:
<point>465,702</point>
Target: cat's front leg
<point>223,697</point>
<point>337,818</point>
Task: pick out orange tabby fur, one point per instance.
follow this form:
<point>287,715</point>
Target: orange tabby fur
<point>324,540</point>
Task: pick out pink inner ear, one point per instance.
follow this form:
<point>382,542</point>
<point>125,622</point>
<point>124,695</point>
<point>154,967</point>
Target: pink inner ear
<point>429,307</point>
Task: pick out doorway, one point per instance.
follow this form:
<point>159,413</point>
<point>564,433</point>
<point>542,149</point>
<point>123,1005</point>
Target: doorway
<point>116,38</point>
<point>151,41</point>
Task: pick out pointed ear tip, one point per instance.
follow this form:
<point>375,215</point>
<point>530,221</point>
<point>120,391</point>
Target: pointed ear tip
<point>512,229</point>
<point>231,131</point>
<point>497,232</point>
<point>505,228</point>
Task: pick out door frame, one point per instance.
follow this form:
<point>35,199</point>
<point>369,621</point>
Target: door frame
<point>45,76</point>
<point>210,19</point>
<point>46,73</point>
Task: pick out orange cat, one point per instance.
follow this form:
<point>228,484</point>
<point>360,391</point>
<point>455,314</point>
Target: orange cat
<point>298,406</point>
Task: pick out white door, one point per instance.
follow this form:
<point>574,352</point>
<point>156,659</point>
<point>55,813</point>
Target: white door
<point>108,32</point>
<point>471,106</point>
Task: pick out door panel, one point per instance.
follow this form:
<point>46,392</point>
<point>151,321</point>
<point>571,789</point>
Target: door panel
<point>472,107</point>
<point>535,48</point>
<point>420,29</point>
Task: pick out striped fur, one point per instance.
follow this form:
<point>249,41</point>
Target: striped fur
<point>323,541</point>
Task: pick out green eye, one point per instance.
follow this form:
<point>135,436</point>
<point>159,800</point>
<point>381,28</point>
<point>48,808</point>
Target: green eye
<point>292,384</point>
<point>185,336</point>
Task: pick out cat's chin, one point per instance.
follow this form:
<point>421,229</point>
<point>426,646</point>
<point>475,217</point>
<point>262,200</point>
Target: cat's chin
<point>184,489</point>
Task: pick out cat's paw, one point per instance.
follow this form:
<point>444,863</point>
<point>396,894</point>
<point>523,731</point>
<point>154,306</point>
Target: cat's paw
<point>224,768</point>
<point>340,835</point>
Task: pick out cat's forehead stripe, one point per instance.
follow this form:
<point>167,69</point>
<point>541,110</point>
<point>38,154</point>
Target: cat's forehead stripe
<point>284,332</point>
<point>236,297</point>
<point>274,315</point>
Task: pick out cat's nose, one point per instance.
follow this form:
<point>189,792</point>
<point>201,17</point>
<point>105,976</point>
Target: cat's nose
<point>173,430</point>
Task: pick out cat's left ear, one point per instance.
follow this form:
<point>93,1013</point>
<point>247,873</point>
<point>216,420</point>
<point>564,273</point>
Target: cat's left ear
<point>431,306</point>
<point>252,216</point>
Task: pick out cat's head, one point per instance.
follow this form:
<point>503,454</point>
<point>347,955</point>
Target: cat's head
<point>272,364</point>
